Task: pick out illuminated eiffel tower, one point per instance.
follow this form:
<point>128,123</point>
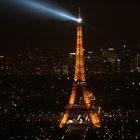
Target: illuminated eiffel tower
<point>79,89</point>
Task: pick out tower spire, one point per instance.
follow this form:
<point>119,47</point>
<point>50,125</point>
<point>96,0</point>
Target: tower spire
<point>79,12</point>
<point>79,16</point>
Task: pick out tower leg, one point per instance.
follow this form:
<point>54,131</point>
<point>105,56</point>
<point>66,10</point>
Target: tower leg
<point>73,96</point>
<point>64,118</point>
<point>94,119</point>
<point>70,105</point>
<point>92,115</point>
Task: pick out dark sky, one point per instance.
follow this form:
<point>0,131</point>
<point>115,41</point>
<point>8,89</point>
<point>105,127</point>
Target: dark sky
<point>106,24</point>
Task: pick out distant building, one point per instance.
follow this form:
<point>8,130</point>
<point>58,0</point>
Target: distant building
<point>37,61</point>
<point>137,61</point>
<point>125,60</point>
<point>110,58</point>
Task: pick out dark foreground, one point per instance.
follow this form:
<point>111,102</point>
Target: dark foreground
<point>31,107</point>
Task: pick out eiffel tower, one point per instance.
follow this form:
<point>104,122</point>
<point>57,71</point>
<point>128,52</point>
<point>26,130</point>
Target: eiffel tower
<point>79,89</point>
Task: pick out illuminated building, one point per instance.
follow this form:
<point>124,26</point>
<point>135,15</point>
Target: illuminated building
<point>138,62</point>
<point>125,60</point>
<point>110,60</point>
<point>6,65</point>
<point>80,99</point>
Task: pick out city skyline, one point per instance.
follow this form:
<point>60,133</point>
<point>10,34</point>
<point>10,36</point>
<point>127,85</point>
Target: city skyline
<point>106,24</point>
<point>59,83</point>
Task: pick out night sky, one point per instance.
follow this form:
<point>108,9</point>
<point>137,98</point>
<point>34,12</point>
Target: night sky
<point>106,24</point>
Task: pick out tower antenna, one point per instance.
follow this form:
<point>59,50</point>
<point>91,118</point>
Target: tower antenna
<point>79,18</point>
<point>79,12</point>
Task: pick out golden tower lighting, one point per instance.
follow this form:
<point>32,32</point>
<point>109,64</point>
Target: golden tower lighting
<point>79,87</point>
